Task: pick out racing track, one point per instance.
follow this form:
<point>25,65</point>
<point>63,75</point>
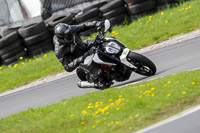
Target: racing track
<point>172,59</point>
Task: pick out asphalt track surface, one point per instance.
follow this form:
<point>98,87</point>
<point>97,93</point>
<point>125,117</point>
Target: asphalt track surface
<point>172,59</point>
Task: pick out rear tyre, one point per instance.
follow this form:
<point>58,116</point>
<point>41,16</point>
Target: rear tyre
<point>144,65</point>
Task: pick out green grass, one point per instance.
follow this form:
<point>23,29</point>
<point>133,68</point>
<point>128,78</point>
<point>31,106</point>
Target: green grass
<point>28,70</point>
<point>136,35</point>
<point>114,110</point>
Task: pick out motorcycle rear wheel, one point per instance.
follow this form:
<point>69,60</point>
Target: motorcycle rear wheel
<point>144,65</point>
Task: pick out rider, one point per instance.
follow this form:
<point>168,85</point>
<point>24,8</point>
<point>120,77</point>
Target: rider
<point>70,49</point>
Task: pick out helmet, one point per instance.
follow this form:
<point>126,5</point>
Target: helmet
<point>63,32</point>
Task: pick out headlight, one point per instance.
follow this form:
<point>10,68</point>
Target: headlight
<point>112,48</point>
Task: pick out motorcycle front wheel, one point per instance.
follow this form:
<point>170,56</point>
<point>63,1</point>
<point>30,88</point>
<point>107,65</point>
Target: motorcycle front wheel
<point>144,65</point>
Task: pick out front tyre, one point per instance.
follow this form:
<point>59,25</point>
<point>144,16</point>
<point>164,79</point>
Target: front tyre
<point>144,65</point>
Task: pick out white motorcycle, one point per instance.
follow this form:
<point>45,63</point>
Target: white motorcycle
<point>114,61</point>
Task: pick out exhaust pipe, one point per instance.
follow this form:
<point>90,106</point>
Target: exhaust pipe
<point>86,84</point>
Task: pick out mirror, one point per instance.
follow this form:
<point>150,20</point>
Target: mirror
<point>107,25</point>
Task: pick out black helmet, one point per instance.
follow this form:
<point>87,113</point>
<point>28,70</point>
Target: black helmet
<point>63,32</point>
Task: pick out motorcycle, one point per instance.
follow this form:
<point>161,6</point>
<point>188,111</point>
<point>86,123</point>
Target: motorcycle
<point>113,61</point>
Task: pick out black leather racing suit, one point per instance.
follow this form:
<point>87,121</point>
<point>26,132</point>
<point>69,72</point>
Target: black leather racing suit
<point>72,53</point>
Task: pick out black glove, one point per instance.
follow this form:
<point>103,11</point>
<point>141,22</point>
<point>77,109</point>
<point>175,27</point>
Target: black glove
<point>100,24</point>
<point>89,52</point>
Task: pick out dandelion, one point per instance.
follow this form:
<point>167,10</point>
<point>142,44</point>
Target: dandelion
<point>166,21</point>
<point>22,63</point>
<point>21,58</point>
<point>140,96</point>
<point>170,13</point>
<point>1,67</point>
<point>112,123</point>
<point>152,94</point>
<point>164,85</point>
<point>186,8</point>
<point>168,95</point>
<point>108,125</point>
<point>183,92</point>
<point>140,23</point>
<point>117,108</point>
<point>161,103</point>
<point>137,115</point>
<point>37,59</point>
<point>152,89</point>
<point>84,112</point>
<point>90,104</point>
<point>98,121</point>
<point>168,82</point>
<point>180,10</point>
<point>193,83</point>
<point>131,117</point>
<point>93,126</point>
<point>162,13</point>
<point>15,65</point>
<point>147,22</point>
<point>45,55</point>
<point>110,100</point>
<point>107,113</point>
<point>104,119</point>
<point>150,17</point>
<point>190,7</point>
<point>117,122</point>
<point>82,123</point>
<point>120,96</point>
<point>91,92</point>
<point>71,115</point>
<point>9,66</point>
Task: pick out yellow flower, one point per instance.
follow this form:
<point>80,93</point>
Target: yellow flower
<point>168,82</point>
<point>152,94</point>
<point>117,108</point>
<point>71,115</point>
<point>23,63</point>
<point>161,103</point>
<point>1,67</point>
<point>93,126</point>
<point>110,100</point>
<point>190,7</point>
<point>108,125</point>
<point>91,92</point>
<point>90,104</point>
<point>152,89</point>
<point>162,13</point>
<point>180,10</point>
<point>140,23</point>
<point>150,17</point>
<point>137,115</point>
<point>164,85</point>
<point>140,96</point>
<point>15,65</point>
<point>193,83</point>
<point>20,58</point>
<point>36,58</point>
<point>104,119</point>
<point>9,66</point>
<point>117,122</point>
<point>45,55</point>
<point>98,121</point>
<point>183,92</point>
<point>147,22</point>
<point>84,112</point>
<point>186,8</point>
<point>168,95</point>
<point>30,60</point>
<point>166,21</point>
<point>171,13</point>
<point>107,113</point>
<point>82,123</point>
<point>120,96</point>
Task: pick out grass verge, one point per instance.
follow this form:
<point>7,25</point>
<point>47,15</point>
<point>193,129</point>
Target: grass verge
<point>138,34</point>
<point>114,110</point>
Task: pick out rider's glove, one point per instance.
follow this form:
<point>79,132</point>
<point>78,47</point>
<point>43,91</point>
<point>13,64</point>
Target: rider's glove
<point>99,24</point>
